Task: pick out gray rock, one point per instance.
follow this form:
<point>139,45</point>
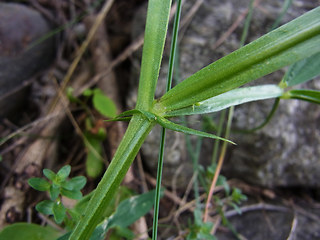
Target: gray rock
<point>286,152</point>
<point>276,222</point>
<point>22,52</point>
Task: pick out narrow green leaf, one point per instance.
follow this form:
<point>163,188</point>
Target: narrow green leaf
<point>103,104</point>
<point>154,39</point>
<point>45,207</point>
<point>39,184</point>
<point>303,70</point>
<point>136,133</point>
<point>28,231</point>
<point>59,212</point>
<point>286,45</point>
<point>306,95</point>
<point>49,174</point>
<point>179,128</point>
<point>228,99</point>
<point>63,173</point>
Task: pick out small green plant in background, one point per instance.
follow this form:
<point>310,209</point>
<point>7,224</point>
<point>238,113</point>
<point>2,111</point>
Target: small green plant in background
<point>93,137</point>
<point>58,185</point>
<point>118,216</point>
<point>200,229</point>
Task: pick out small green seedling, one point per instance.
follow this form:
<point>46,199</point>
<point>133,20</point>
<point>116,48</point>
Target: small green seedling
<point>58,185</point>
<point>123,210</point>
<point>200,230</point>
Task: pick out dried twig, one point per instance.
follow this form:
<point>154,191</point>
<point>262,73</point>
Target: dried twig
<point>293,229</point>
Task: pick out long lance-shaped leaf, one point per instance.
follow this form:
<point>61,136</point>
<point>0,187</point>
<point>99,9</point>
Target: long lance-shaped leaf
<point>303,71</point>
<point>137,131</point>
<point>286,45</point>
<point>179,128</point>
<point>155,34</point>
<point>303,94</point>
<point>232,98</point>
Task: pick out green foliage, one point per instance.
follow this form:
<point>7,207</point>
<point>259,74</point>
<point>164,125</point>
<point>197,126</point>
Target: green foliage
<point>59,212</point>
<point>237,196</point>
<point>45,207</point>
<point>93,140</point>
<point>222,180</point>
<point>306,95</point>
<point>103,104</point>
<point>165,123</point>
<point>57,186</point>
<point>286,45</point>
<point>200,230</point>
<point>119,217</point>
<point>126,213</point>
<point>204,92</point>
<point>302,71</point>
<point>94,163</point>
<point>232,98</point>
<point>233,198</point>
<point>137,131</point>
<point>39,184</point>
<point>28,231</point>
<point>132,209</point>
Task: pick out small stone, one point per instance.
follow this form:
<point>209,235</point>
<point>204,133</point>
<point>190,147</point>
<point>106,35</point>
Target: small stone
<point>25,48</point>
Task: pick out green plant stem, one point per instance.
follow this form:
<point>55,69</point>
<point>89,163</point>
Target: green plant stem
<point>158,186</point>
<point>155,34</point>
<point>163,130</point>
<point>174,45</point>
<point>137,131</point>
